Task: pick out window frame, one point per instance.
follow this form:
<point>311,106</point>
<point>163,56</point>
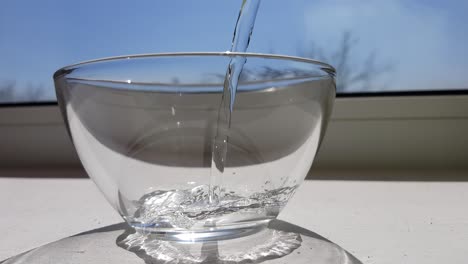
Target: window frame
<point>401,130</point>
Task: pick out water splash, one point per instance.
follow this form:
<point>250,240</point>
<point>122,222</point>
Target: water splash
<point>185,209</point>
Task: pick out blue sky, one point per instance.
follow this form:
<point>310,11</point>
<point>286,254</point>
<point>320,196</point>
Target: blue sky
<point>423,41</point>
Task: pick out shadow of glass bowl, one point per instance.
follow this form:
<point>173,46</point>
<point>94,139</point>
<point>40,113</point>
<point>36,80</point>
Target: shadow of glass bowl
<point>281,242</point>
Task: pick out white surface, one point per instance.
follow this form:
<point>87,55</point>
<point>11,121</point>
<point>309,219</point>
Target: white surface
<point>377,221</point>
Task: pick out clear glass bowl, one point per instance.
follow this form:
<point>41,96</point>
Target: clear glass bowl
<point>143,127</point>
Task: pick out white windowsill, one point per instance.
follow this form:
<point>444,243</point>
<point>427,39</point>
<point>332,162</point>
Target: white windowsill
<point>377,221</point>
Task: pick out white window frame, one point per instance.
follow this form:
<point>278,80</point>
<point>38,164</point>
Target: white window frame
<point>370,132</point>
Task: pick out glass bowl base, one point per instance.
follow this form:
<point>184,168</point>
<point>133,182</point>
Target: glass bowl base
<point>208,233</point>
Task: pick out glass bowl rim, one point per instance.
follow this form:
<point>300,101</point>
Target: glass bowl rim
<point>324,66</point>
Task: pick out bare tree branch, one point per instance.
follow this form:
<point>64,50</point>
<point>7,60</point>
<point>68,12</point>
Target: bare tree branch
<point>351,74</point>
<point>7,91</point>
<point>10,93</point>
